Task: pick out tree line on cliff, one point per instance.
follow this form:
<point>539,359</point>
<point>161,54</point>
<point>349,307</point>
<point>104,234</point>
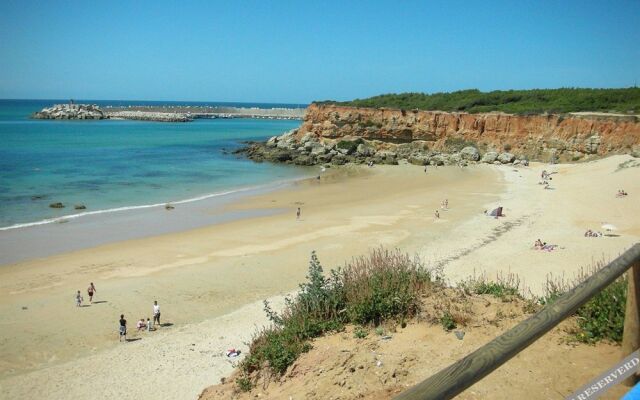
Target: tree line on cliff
<point>535,101</point>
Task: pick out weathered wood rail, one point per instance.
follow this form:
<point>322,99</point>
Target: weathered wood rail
<point>460,375</point>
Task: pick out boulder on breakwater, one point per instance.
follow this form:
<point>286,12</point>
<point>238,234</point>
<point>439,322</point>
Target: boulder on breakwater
<point>70,111</point>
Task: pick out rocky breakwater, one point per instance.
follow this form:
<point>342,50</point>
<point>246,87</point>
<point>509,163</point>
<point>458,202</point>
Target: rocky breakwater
<point>149,116</point>
<point>70,111</point>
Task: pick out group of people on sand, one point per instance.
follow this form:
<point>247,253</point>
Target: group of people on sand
<point>90,291</point>
<point>444,205</point>
<point>621,193</point>
<point>148,325</point>
<point>590,233</point>
<point>540,245</point>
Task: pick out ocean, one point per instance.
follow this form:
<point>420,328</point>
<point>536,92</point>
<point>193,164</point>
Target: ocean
<point>113,166</point>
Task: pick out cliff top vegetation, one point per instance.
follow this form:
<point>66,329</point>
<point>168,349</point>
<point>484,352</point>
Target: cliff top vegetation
<point>535,101</point>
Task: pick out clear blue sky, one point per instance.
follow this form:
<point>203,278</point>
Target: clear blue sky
<point>310,50</point>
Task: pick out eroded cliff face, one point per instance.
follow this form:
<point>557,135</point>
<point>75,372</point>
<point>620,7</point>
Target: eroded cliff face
<point>538,137</point>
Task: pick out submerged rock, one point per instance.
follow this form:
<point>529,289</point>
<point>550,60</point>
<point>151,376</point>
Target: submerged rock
<point>56,205</point>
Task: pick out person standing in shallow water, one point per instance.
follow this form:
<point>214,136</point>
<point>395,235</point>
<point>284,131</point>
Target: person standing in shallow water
<point>123,328</point>
<point>156,313</point>
<point>90,291</point>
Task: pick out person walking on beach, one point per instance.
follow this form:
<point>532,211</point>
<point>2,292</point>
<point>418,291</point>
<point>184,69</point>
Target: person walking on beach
<point>123,328</point>
<point>90,291</point>
<point>78,299</point>
<point>298,213</point>
<point>156,313</point>
<point>437,215</point>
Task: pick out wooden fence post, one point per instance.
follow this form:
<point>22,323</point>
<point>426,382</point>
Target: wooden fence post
<point>631,335</point>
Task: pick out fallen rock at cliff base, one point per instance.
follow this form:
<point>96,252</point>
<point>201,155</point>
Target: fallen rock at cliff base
<point>418,159</point>
<point>489,157</point>
<point>506,158</point>
<point>470,153</point>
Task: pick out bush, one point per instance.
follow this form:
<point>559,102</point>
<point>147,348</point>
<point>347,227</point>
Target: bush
<point>603,316</point>
<point>383,285</point>
<point>535,101</point>
<point>504,287</point>
<point>244,384</point>
<point>447,321</point>
<point>349,145</point>
<point>369,290</point>
<point>360,333</point>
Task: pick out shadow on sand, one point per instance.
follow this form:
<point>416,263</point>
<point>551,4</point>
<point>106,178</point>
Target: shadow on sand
<point>166,324</point>
<point>100,302</point>
<point>133,339</point>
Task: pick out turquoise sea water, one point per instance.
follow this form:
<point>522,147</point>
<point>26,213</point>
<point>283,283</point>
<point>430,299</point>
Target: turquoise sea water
<point>120,164</point>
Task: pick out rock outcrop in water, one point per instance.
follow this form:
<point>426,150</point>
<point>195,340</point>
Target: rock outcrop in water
<point>362,135</point>
<point>70,111</point>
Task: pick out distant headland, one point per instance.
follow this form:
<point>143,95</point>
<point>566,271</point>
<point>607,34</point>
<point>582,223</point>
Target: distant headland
<point>159,113</point>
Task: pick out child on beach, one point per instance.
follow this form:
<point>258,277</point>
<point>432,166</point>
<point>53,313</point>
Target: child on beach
<point>156,313</point>
<point>123,328</point>
<point>141,324</point>
<point>90,291</point>
<point>79,299</point>
<point>149,325</point>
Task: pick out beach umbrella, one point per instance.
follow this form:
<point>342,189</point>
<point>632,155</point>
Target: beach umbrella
<point>609,227</point>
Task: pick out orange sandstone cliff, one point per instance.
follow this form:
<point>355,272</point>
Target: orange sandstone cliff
<point>567,137</point>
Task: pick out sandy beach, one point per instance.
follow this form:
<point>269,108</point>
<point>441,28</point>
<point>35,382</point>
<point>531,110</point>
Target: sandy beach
<point>210,281</point>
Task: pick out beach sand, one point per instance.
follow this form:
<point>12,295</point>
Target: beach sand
<point>54,350</point>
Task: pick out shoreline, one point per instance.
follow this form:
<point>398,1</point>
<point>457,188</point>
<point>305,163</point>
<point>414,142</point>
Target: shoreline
<point>209,271</point>
<point>68,232</point>
<point>204,275</point>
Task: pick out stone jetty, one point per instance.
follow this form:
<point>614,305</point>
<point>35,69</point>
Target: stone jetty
<point>149,116</point>
<point>164,113</point>
<point>70,111</point>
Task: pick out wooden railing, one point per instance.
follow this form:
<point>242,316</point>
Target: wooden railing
<point>465,372</point>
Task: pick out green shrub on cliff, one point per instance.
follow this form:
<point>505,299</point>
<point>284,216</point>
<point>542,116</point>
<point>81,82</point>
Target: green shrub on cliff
<point>349,145</point>
<point>510,101</point>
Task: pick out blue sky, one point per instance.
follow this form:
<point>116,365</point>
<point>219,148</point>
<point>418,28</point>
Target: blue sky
<point>286,51</point>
